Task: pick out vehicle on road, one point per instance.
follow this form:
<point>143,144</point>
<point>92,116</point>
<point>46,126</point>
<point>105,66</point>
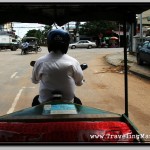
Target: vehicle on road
<point>8,41</point>
<point>82,44</point>
<point>57,94</point>
<point>32,45</point>
<point>143,53</point>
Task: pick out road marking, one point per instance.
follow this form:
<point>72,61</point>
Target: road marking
<point>15,102</point>
<point>32,87</point>
<point>13,75</point>
<point>17,99</point>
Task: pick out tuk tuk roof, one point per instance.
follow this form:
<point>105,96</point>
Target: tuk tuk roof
<point>61,13</point>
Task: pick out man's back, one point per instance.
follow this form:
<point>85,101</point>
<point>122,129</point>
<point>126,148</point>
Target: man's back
<point>57,72</point>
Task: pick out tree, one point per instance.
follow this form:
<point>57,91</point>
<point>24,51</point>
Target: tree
<point>40,34</point>
<point>44,33</point>
<point>46,29</point>
<point>31,33</point>
<point>96,27</point>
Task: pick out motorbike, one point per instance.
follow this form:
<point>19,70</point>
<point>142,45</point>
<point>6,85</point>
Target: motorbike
<point>26,48</point>
<point>58,122</point>
<point>56,94</point>
<point>30,44</point>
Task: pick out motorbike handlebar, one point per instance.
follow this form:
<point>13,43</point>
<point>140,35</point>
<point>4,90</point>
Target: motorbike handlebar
<point>83,66</point>
<point>32,63</point>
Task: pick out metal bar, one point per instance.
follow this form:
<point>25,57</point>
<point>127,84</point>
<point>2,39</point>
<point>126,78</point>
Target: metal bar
<point>125,67</point>
<point>64,117</point>
<point>133,127</point>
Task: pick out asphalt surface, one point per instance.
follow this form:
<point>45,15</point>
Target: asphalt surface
<point>117,59</point>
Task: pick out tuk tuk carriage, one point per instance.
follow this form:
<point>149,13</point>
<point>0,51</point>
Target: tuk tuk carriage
<point>30,44</point>
<point>65,123</point>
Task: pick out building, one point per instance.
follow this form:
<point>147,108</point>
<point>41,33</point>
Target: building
<point>6,27</point>
<point>142,29</point>
<point>143,23</point>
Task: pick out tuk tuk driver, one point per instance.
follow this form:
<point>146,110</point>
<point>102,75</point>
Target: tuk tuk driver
<point>57,70</point>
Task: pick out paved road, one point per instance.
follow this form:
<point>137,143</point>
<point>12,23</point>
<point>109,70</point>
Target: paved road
<point>16,89</point>
<point>103,88</point>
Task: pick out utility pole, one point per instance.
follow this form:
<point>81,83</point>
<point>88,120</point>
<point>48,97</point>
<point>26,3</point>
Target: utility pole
<point>77,31</point>
<point>68,27</point>
<point>119,34</point>
<point>141,28</point>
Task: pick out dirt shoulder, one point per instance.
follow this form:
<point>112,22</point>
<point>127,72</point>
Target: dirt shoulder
<point>104,89</point>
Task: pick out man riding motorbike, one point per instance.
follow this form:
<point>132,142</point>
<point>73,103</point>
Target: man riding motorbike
<point>24,47</point>
<point>57,71</point>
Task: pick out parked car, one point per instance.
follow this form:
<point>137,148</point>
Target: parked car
<point>143,53</point>
<point>82,44</point>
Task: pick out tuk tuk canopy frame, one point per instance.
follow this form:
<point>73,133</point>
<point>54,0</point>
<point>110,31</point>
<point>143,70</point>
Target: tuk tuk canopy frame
<point>61,13</point>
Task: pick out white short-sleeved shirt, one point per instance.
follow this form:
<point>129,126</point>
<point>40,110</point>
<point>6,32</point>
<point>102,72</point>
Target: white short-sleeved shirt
<point>57,72</point>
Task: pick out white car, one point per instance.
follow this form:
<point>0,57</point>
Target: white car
<point>82,44</point>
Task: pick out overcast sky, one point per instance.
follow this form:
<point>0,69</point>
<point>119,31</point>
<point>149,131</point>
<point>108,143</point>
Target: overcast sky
<point>22,28</point>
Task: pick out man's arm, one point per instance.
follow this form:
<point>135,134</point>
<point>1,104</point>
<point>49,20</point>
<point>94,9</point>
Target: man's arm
<point>78,75</point>
<point>36,73</point>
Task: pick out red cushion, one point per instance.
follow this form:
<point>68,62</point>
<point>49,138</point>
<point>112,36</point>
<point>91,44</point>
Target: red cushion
<point>108,131</point>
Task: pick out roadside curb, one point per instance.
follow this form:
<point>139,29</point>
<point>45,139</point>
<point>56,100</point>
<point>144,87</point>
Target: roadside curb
<point>118,58</point>
<point>139,74</point>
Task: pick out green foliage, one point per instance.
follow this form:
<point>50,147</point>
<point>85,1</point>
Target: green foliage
<point>40,34</point>
<point>31,33</point>
<point>96,27</point>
